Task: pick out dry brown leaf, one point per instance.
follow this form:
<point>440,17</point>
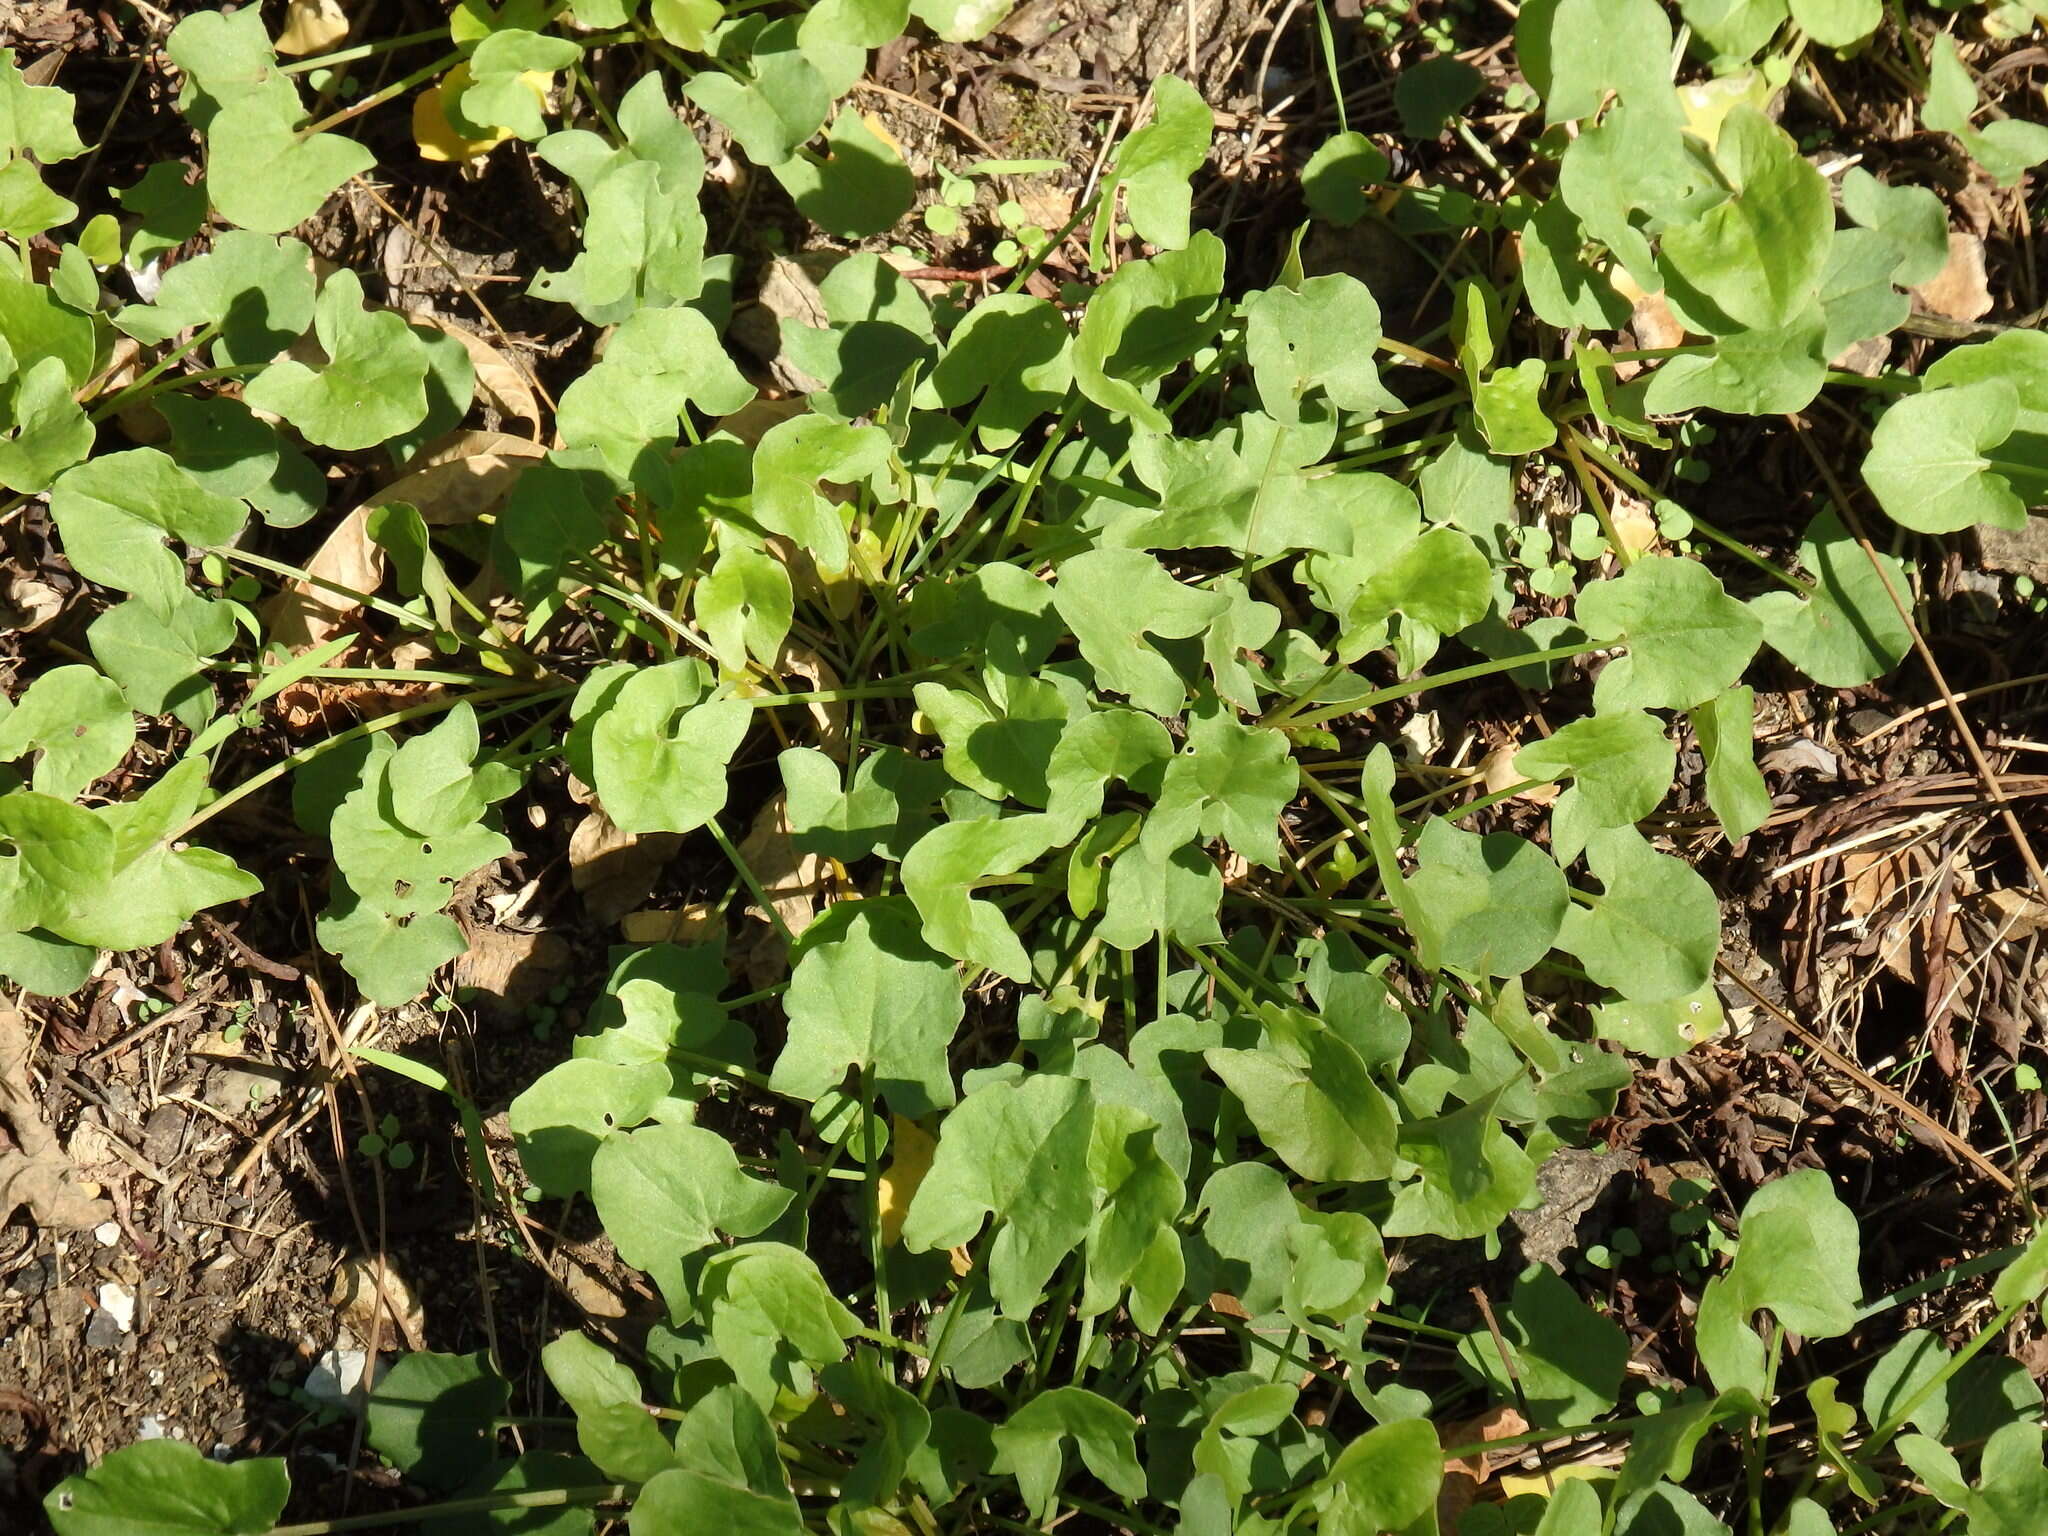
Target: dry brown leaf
<point>830,719</point>
<point>311,26</point>
<point>304,613</point>
<point>461,477</point>
<point>615,871</point>
<point>1463,1476</point>
<point>31,602</point>
<point>505,384</point>
<point>698,923</point>
<point>1959,290</point>
<point>2015,913</point>
<point>795,883</point>
<point>355,1291</point>
<point>510,968</point>
<point>35,1172</point>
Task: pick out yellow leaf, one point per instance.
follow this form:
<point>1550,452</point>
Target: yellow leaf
<point>1514,1484</point>
<point>911,1147</point>
<point>312,26</point>
<point>439,138</point>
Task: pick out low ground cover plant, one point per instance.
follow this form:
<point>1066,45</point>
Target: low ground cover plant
<point>1051,1173</point>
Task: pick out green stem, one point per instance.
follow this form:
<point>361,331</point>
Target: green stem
<point>377,98</point>
<point>340,739</point>
<point>538,1498</point>
<point>1414,686</point>
<point>361,51</point>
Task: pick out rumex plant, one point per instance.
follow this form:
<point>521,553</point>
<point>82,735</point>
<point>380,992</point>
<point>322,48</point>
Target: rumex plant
<point>1159,995</point>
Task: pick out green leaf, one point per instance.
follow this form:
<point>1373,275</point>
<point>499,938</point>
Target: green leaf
<point>167,1488</point>
<point>432,1416</point>
<point>1575,51</point>
<point>2026,1277</point>
<point>1911,219</point>
<point>1313,1101</point>
<point>1750,372</point>
<point>1669,1028</point>
<point>258,289</point>
<point>34,326</point>
<point>1469,1173</point>
<point>884,812</point>
<point>1901,1373</point>
<point>1568,1359</point>
<point>1509,405</point>
<point>1131,1243</point>
<point>27,206</point>
<point>661,1006</point>
<point>537,1472</point>
<point>791,460</point>
<point>1031,1442</point>
<point>745,604</point>
<point>1015,1154</point>
<point>666,1191</point>
<point>1797,1255</point>
<point>1620,765</point>
<point>1321,336</point>
<point>1154,163</point>
<point>221,444</point>
<point>1654,931</point>
<point>868,995</point>
<point>960,21</point>
<point>784,104</point>
<point>1489,905</point>
<point>1756,259</point>
<point>170,212</point>
<point>374,383</point>
<point>1838,23</point>
<point>656,365</point>
<point>859,187</point>
<point>1726,727</point>
<point>1634,175</point>
<point>79,724</point>
<point>36,118</point>
<point>1014,351</point>
<point>1385,1480</point>
<point>115,510</point>
<point>497,96</point>
<point>1687,639</point>
<point>1430,92</point>
<point>942,868</point>
<point>613,1427</point>
<point>1146,320</point>
<point>1002,748</point>
<point>1849,631</point>
<point>2006,148</point>
<point>643,226</point>
<point>561,1118</point>
<point>1112,599</point>
<point>1929,463</point>
<point>262,174</point>
<point>661,747</point>
<point>44,965</point>
<point>1735,29</point>
<point>1236,778</point>
<point>1336,178</point>
<point>773,1320</point>
<point>157,654</point>
<point>51,430</point>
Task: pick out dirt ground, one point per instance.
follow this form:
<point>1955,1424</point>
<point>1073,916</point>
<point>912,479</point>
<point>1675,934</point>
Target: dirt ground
<point>1890,974</point>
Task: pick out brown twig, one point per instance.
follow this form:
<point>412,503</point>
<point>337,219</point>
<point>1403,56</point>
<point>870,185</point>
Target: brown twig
<point>1847,1065</point>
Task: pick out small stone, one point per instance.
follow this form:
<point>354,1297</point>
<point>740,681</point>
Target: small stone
<point>150,1428</point>
<point>103,1331</point>
<point>108,1233</point>
<point>118,1302</point>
